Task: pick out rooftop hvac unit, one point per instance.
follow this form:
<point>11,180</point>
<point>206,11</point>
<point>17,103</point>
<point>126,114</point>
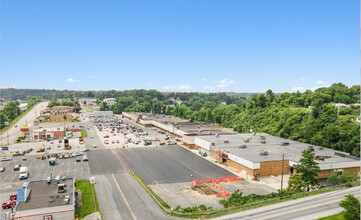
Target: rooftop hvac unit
<point>213,144</point>
<point>263,153</point>
<point>226,141</point>
<point>285,143</point>
<point>247,140</point>
<point>242,146</point>
<point>321,148</point>
<point>263,142</point>
<point>263,137</point>
<point>217,135</point>
<point>210,132</point>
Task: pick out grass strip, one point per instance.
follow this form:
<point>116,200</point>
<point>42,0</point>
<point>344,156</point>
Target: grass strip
<point>87,206</point>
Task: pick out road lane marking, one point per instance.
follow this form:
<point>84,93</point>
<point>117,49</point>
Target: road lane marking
<point>126,202</point>
<point>304,208</point>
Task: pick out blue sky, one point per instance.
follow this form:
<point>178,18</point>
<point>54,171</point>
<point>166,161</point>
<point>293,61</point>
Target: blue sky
<point>180,45</point>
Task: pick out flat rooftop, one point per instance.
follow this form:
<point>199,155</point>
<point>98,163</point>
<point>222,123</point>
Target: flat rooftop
<point>274,146</point>
<point>200,128</point>
<point>164,119</point>
<point>49,129</point>
<point>44,195</point>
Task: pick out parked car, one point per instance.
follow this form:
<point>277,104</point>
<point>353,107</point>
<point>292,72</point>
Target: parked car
<point>92,137</point>
<point>86,149</point>
<point>106,136</point>
<point>60,141</point>
<point>85,158</point>
<point>117,141</point>
<point>17,167</point>
<point>94,146</point>
<point>78,159</point>
<point>2,169</point>
<point>113,142</point>
<point>7,205</point>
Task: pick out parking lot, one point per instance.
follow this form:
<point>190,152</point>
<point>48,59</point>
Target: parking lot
<point>38,170</point>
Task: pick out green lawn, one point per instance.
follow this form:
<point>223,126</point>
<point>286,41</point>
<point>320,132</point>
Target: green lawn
<point>87,199</point>
<point>333,217</point>
<point>84,133</point>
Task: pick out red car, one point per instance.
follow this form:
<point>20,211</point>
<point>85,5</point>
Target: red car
<point>117,141</point>
<point>106,136</point>
<point>7,205</point>
<point>177,139</point>
<point>112,141</point>
<point>111,132</point>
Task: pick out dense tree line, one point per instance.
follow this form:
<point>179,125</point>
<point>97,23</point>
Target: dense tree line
<point>308,117</point>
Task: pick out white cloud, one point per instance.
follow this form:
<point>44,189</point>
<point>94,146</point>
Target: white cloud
<point>298,88</point>
<point>225,83</point>
<point>303,78</point>
<point>170,87</point>
<point>321,82</point>
<point>71,80</point>
<point>184,87</point>
<point>210,88</point>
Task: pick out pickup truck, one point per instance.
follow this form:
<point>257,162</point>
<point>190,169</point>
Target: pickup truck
<point>7,205</point>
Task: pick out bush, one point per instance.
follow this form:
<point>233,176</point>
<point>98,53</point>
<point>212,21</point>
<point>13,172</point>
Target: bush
<point>345,178</point>
<point>352,207</point>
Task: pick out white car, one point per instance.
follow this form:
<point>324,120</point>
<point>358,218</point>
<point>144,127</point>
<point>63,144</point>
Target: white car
<point>5,159</point>
<point>86,149</point>
<point>85,158</point>
<point>94,146</point>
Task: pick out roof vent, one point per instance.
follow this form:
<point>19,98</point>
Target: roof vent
<point>226,141</point>
<point>217,135</point>
<point>242,146</point>
<point>285,143</point>
<point>263,142</point>
<point>263,137</point>
<point>213,144</point>
<point>321,148</point>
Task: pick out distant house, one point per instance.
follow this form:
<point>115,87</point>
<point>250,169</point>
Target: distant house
<point>341,105</point>
<point>23,106</point>
<point>178,101</point>
<point>110,101</point>
<point>358,119</point>
<point>224,103</point>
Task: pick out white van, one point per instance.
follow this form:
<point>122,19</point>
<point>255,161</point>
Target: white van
<point>24,174</point>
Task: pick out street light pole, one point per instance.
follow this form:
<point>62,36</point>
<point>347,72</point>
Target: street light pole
<point>283,162</point>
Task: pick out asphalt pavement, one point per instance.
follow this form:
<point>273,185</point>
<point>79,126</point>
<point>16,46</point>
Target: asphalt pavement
<point>14,132</point>
<point>170,164</point>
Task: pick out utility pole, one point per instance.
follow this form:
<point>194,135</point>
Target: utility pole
<point>192,165</point>
<point>283,162</point>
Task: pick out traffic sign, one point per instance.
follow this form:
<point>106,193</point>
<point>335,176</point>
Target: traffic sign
<point>5,148</point>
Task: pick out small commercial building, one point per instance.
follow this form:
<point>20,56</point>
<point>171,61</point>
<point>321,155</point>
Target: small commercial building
<point>43,200</point>
<point>260,154</point>
<point>48,133</point>
<point>23,106</point>
<point>110,101</point>
<point>63,109</point>
<point>103,113</point>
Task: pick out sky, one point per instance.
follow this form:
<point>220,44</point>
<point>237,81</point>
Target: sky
<point>180,45</point>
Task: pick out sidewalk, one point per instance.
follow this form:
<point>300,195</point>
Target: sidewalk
<point>93,216</point>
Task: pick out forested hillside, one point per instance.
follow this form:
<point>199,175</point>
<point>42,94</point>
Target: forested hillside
<point>307,117</point>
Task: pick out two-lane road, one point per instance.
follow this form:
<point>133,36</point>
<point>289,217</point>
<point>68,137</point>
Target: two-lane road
<point>14,131</point>
<point>311,207</point>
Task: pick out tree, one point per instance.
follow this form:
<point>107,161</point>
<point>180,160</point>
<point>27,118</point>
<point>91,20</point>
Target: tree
<point>309,168</point>
<point>352,208</point>
<point>296,183</point>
